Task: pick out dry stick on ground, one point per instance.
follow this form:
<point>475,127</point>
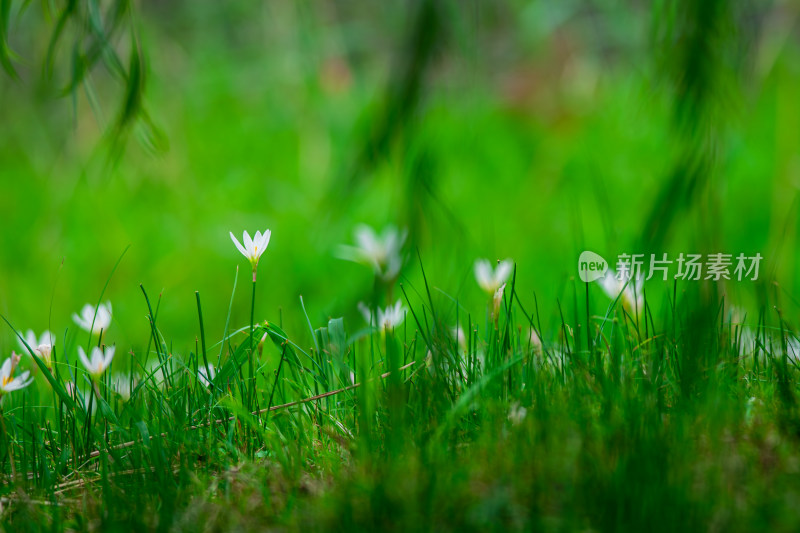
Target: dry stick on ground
<point>128,444</point>
<point>78,483</point>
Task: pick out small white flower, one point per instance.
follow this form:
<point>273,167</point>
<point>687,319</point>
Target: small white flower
<point>9,383</point>
<point>384,319</point>
<point>99,361</point>
<point>206,376</point>
<point>632,298</point>
<point>517,413</point>
<point>253,248</point>
<point>381,252</point>
<point>39,345</point>
<point>491,279</point>
<point>101,318</point>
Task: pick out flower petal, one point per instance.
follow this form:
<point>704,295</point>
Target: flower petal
<point>5,371</point>
<point>365,312</point>
<point>30,338</point>
<point>84,360</point>
<point>47,338</point>
<point>109,356</point>
<point>502,271</point>
<point>79,321</point>
<point>265,240</point>
<point>483,274</point>
<point>238,245</point>
<point>87,313</point>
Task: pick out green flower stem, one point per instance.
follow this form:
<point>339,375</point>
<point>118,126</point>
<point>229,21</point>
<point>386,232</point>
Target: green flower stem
<point>252,387</point>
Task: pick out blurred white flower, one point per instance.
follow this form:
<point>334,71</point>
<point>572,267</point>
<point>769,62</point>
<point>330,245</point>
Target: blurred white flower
<point>381,252</point>
<point>253,248</point>
<point>631,290</point>
<point>491,279</point>
<point>87,317</point>
<point>206,376</point>
<point>384,319</point>
<point>9,383</point>
<point>99,361</point>
<point>517,413</point>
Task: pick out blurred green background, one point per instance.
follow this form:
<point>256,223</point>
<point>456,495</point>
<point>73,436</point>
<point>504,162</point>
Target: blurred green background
<point>530,130</point>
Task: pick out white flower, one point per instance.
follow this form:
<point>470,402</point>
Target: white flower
<point>203,374</point>
<point>99,361</point>
<point>384,319</point>
<point>491,280</point>
<point>47,338</point>
<point>8,383</point>
<point>253,248</point>
<point>42,346</point>
<point>381,252</point>
<point>631,298</point>
<point>101,318</point>
<point>516,414</point>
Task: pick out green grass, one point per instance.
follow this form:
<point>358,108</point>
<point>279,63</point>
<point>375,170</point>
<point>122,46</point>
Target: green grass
<point>678,418</point>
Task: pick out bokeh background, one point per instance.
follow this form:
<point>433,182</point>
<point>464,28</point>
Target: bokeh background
<point>529,130</point>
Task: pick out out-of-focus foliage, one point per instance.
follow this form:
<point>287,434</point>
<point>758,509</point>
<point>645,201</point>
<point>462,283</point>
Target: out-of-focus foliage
<point>529,130</point>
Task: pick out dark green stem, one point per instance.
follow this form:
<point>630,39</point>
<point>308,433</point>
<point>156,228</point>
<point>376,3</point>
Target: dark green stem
<point>203,335</point>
